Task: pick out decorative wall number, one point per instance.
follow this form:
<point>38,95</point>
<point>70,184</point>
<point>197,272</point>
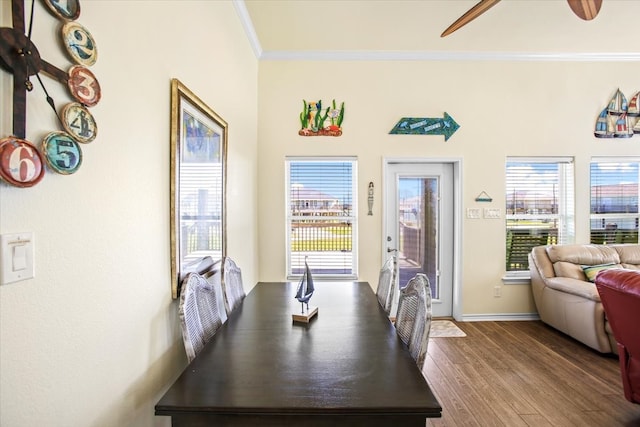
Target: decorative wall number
<point>62,153</point>
<point>20,162</point>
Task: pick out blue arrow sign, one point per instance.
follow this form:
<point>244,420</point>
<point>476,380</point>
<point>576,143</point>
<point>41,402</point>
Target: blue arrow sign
<point>426,126</point>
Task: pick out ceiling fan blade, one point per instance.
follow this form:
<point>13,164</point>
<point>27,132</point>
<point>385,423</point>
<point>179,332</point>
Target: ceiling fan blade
<point>585,9</point>
<point>472,14</point>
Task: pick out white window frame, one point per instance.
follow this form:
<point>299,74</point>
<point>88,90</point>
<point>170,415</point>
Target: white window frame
<point>565,216</point>
<point>611,216</point>
<point>352,218</point>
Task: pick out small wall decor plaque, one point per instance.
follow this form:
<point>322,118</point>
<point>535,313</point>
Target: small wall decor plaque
<point>483,197</point>
<point>426,126</point>
<point>316,121</point>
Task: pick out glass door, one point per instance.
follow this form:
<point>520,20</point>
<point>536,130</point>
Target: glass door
<point>420,227</point>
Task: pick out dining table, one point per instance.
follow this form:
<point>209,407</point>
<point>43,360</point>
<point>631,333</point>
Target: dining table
<point>345,367</point>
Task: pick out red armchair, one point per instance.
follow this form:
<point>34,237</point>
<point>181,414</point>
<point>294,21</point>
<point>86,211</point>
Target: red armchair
<point>619,291</point>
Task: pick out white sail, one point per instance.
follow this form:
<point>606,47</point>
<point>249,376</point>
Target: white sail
<point>305,287</point>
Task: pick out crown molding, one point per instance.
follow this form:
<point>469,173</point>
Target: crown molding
<point>247,24</point>
<point>373,55</point>
<point>448,56</point>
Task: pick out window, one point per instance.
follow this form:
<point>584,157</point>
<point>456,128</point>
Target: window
<point>539,207</point>
<point>321,222</point>
<point>614,200</point>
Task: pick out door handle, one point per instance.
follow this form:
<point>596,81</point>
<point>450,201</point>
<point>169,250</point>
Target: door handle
<point>391,250</point>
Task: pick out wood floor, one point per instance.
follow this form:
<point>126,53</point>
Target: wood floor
<point>524,374</point>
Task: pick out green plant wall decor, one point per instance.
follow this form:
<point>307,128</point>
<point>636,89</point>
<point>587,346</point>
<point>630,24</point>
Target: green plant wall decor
<point>316,120</point>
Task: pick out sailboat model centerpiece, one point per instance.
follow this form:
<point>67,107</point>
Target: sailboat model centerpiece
<point>303,294</point>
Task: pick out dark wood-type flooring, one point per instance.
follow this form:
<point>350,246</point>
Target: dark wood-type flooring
<point>524,373</point>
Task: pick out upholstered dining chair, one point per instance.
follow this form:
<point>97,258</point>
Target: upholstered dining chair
<point>386,284</point>
<point>413,321</point>
<point>201,310</point>
<point>232,284</point>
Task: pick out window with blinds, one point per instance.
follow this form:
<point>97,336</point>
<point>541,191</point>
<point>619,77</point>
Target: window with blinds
<point>321,217</point>
<point>614,200</point>
<point>539,207</point>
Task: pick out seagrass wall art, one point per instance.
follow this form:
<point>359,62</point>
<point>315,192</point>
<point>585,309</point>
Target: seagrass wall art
<point>316,120</point>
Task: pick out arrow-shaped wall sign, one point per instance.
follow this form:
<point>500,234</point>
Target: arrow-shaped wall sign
<point>426,126</point>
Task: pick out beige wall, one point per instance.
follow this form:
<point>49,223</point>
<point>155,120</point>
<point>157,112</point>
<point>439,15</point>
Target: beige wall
<point>94,338</point>
<point>504,109</point>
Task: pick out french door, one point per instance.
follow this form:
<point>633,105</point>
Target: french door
<point>419,225</point>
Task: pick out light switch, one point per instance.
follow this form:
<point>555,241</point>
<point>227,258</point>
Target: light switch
<point>16,257</point>
<point>473,213</point>
<point>19,257</point>
<point>492,213</point>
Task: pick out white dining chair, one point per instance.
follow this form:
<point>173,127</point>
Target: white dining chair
<point>199,265</point>
<point>232,286</point>
<point>201,311</point>
<point>386,284</point>
<point>413,321</point>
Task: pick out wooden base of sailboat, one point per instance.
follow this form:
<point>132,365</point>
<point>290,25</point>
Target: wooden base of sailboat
<point>306,316</point>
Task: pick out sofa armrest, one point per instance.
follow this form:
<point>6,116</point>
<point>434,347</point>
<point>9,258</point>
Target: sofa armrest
<point>573,286</point>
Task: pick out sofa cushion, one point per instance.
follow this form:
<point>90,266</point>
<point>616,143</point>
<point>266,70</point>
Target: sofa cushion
<point>629,254</point>
<point>568,269</point>
<point>583,254</point>
<point>591,271</point>
<point>568,259</point>
<point>580,288</point>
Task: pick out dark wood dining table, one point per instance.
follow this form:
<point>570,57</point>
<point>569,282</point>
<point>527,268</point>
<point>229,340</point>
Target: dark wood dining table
<point>346,367</point>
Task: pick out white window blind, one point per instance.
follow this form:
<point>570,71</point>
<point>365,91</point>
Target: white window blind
<point>539,206</point>
<point>321,217</point>
<point>614,200</point>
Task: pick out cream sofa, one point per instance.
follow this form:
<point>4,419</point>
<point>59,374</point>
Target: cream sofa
<point>565,297</point>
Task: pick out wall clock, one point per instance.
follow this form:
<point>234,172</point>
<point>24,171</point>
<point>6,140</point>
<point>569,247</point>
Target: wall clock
<point>21,163</point>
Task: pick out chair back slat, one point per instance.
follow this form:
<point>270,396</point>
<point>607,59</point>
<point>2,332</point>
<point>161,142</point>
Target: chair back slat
<point>201,311</point>
<point>232,285</point>
<point>413,322</point>
<point>386,283</point>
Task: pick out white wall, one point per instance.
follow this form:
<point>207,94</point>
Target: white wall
<point>94,338</point>
<point>504,108</point>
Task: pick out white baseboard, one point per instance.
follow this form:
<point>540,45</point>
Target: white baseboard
<point>498,317</point>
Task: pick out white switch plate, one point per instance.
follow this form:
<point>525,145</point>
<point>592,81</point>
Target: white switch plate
<point>473,213</point>
<point>492,213</point>
<point>16,257</point>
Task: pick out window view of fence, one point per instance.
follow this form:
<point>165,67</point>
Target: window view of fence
<point>539,207</point>
<point>320,218</point>
<point>418,230</point>
<point>614,201</point>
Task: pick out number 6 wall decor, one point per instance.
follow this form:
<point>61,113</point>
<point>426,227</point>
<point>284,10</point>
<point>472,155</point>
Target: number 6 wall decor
<point>20,162</point>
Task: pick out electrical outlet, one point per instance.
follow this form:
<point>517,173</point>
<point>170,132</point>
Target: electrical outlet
<point>497,291</point>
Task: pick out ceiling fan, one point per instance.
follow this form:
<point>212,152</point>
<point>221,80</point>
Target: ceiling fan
<point>585,9</point>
